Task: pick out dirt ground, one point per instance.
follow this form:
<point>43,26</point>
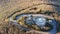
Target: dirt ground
<point>9,7</point>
